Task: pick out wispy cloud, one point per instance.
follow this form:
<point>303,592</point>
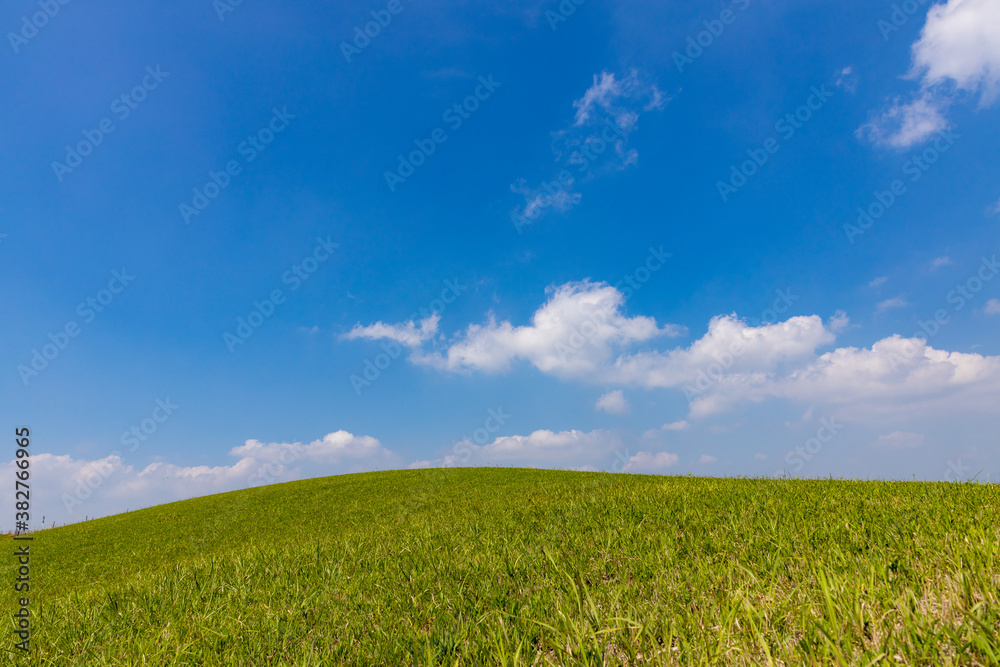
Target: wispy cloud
<point>899,440</point>
<point>408,333</point>
<point>676,426</point>
<point>596,141</point>
<point>958,50</point>
<point>889,304</point>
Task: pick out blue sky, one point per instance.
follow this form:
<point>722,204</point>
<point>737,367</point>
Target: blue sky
<point>259,118</point>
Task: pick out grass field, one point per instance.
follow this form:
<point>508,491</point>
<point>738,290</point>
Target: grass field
<point>507,567</point>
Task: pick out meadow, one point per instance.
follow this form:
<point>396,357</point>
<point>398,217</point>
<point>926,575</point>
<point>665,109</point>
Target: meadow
<point>495,566</point>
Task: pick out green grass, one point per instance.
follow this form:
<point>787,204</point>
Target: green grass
<point>510,567</point>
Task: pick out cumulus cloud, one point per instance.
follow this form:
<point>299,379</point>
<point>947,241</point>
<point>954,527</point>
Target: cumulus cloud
<point>899,376</point>
<point>581,333</point>
<point>596,141</point>
<point>647,462</point>
<point>958,51</point>
<point>77,488</point>
<point>613,403</point>
<point>572,335</point>
<point>595,450</point>
<point>731,348</point>
<point>333,448</point>
<point>959,45</point>
<point>992,307</point>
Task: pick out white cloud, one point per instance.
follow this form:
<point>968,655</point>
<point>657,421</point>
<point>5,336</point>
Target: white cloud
<point>706,459</point>
<point>78,488</point>
<point>580,333</point>
<point>730,348</point>
<point>899,440</point>
<point>992,307</point>
<point>847,80</point>
<point>760,457</point>
<point>839,322</point>
<point>878,281</point>
<point>596,141</point>
<point>889,304</point>
<point>610,96</point>
<point>959,45</point>
<point>333,448</point>
<point>907,123</point>
<point>613,403</point>
<point>572,335</point>
<point>540,449</point>
<point>647,462</point>
<point>897,376</point>
<point>407,333</point>
<point>958,50</point>
<point>554,196</point>
<point>676,426</point>
<point>938,262</point>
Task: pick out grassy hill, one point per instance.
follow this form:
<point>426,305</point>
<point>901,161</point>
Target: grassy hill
<point>504,566</point>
